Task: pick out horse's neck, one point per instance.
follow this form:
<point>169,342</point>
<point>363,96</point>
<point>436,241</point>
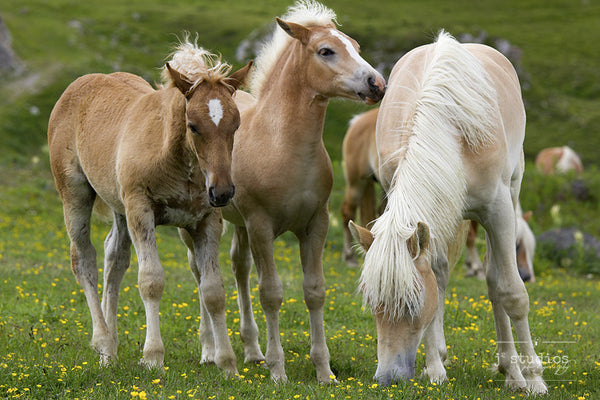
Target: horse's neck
<point>294,111</point>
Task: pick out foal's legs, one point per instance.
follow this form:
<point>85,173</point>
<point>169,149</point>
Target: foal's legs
<point>270,289</point>
<point>151,280</point>
<point>312,241</point>
<point>509,297</point>
<point>78,200</point>
<point>205,333</point>
<point>205,240</point>
<point>241,264</point>
<point>434,340</point>
<point>117,254</point>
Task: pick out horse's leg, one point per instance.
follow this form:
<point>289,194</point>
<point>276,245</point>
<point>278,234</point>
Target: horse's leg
<point>151,279</point>
<point>241,264</point>
<point>368,203</point>
<point>509,297</point>
<point>312,241</point>
<point>117,254</point>
<point>205,330</point>
<point>434,340</point>
<point>352,198</point>
<point>260,235</point>
<point>78,200</point>
<point>205,240</point>
<point>472,260</point>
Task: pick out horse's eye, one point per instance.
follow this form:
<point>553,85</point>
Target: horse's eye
<point>192,128</point>
<point>326,52</point>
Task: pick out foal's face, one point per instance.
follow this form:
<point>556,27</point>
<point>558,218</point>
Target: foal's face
<point>334,66</point>
<point>211,121</point>
<point>212,118</point>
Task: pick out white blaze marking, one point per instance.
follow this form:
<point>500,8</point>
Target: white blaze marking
<point>349,48</point>
<point>215,111</point>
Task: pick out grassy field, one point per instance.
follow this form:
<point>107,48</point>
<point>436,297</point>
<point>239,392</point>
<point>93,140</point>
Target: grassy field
<point>45,327</point>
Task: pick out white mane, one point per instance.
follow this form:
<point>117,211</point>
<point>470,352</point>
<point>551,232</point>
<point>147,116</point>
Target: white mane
<point>196,64</point>
<point>456,100</point>
<point>305,12</point>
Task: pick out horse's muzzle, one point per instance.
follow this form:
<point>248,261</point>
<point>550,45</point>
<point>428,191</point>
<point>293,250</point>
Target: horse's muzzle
<point>220,197</point>
<point>376,89</point>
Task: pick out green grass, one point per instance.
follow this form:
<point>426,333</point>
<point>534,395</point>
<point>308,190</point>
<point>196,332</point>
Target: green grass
<point>45,327</point>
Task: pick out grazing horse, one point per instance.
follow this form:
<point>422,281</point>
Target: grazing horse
<point>155,157</point>
<point>558,159</point>
<point>449,135</point>
<point>283,174</point>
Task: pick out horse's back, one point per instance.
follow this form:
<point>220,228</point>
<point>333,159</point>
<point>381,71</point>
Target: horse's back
<point>85,124</point>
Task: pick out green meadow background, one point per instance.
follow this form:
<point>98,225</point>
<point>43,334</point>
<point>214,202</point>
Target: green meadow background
<point>45,326</point>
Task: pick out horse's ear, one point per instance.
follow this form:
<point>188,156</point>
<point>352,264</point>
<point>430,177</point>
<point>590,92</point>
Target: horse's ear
<point>527,216</point>
<point>295,30</point>
<point>361,235</point>
<point>181,82</point>
<point>419,241</point>
<point>238,78</point>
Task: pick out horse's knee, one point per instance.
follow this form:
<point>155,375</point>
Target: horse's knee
<point>513,299</point>
<point>151,285</point>
<point>271,294</point>
<point>314,295</point>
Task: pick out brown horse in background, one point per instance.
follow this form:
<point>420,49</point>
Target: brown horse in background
<point>155,157</point>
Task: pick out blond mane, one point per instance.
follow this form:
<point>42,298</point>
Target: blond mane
<point>456,100</point>
<point>306,12</point>
<point>196,64</point>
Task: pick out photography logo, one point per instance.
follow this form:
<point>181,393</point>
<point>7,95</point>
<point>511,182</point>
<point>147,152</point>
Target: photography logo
<point>555,358</point>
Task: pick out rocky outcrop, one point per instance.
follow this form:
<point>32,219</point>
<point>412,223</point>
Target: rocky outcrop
<point>8,59</point>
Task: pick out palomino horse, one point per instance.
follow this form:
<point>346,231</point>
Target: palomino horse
<point>449,136</point>
<point>154,157</point>
<point>361,165</point>
<point>558,159</point>
<point>283,174</point>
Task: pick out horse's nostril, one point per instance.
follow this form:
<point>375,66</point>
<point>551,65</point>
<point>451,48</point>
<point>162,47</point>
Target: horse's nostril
<point>211,193</point>
<point>371,81</point>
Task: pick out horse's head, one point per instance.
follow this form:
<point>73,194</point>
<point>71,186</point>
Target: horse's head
<point>333,65</point>
<point>400,326</point>
<point>525,248</point>
<point>212,118</point>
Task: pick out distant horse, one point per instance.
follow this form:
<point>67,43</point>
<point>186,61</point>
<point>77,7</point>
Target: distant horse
<point>155,157</point>
<point>361,163</point>
<point>525,247</point>
<point>283,174</point>
<point>450,133</point>
<point>558,159</point>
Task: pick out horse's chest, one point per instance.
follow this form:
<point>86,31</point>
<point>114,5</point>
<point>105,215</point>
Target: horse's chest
<point>184,209</point>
